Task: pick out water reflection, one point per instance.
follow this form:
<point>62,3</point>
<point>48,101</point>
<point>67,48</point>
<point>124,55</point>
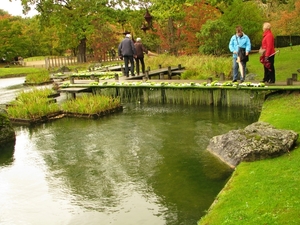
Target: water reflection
<point>146,165</point>
<point>6,153</point>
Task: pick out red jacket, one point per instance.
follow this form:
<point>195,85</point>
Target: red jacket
<point>268,43</point>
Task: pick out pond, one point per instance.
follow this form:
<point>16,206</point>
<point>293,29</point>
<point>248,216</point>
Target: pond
<point>145,165</point>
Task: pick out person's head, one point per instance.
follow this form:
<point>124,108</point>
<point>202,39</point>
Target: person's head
<point>128,36</point>
<point>138,40</point>
<point>239,31</point>
<point>266,26</point>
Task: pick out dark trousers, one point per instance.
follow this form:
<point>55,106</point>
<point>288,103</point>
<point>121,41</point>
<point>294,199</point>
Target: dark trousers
<point>138,60</point>
<point>128,59</point>
<point>269,74</point>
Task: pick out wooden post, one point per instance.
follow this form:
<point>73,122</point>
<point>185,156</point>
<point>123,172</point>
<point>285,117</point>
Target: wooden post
<point>294,76</point>
<point>71,80</point>
<point>159,66</point>
<point>161,76</point>
<point>179,66</point>
<point>147,75</point>
<point>209,80</point>
<point>169,72</point>
<point>97,79</point>
<point>123,70</point>
<point>116,76</point>
<point>289,81</point>
<point>222,76</point>
<point>148,68</point>
<point>92,76</point>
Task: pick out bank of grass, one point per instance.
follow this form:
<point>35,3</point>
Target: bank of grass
<point>266,191</point>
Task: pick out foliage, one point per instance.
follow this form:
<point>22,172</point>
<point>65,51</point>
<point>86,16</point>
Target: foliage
<point>287,21</point>
<point>255,194</point>
<point>87,104</point>
<point>212,37</point>
<point>250,16</point>
<point>32,104</point>
<point>93,27</point>
<point>12,42</point>
<point>196,16</point>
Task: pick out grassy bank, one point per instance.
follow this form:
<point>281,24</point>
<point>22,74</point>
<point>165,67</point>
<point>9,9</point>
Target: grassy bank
<point>267,191</point>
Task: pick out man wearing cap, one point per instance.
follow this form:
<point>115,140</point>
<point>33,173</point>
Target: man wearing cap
<point>140,49</point>
<point>126,51</point>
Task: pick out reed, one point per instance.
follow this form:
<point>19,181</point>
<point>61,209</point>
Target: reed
<point>198,67</point>
<point>33,104</point>
<point>90,104</point>
<point>38,78</point>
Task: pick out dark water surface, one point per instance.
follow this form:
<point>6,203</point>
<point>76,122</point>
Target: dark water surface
<point>146,165</point>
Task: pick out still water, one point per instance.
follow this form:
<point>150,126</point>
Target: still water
<point>146,165</point>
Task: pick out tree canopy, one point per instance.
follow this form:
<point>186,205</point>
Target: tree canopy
<point>93,27</point>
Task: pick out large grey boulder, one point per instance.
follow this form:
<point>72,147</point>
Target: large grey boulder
<point>257,141</point>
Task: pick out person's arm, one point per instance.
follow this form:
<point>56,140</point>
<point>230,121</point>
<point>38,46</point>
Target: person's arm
<point>144,49</point>
<point>248,46</point>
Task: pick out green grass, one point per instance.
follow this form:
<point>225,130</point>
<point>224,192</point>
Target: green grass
<point>266,191</point>
<point>286,63</point>
<point>15,71</point>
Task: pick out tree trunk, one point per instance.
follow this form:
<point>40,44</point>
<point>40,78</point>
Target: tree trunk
<point>81,56</point>
<point>171,28</point>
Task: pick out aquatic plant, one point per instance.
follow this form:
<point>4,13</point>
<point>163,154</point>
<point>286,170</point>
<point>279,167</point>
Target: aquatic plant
<point>32,104</point>
<point>38,78</point>
<point>90,104</point>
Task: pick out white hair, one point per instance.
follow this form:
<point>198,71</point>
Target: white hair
<point>128,36</point>
<point>138,39</point>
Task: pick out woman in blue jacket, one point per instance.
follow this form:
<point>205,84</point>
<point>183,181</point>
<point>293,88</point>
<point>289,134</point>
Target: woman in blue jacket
<point>239,41</point>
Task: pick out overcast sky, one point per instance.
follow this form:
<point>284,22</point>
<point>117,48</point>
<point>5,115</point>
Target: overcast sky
<point>15,8</point>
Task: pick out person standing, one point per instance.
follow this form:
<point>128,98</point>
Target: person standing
<point>126,51</point>
<point>239,42</point>
<point>268,51</point>
<point>140,50</point>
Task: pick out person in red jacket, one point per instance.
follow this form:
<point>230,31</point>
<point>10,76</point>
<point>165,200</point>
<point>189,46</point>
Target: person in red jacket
<point>268,51</point>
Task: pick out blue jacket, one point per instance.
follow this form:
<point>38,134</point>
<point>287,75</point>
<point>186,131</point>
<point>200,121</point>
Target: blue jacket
<point>242,42</point>
<point>126,48</point>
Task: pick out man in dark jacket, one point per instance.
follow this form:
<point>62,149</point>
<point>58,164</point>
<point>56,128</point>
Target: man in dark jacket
<point>126,51</point>
<point>140,49</point>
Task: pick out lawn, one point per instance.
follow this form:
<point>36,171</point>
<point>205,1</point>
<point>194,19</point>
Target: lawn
<point>266,191</point>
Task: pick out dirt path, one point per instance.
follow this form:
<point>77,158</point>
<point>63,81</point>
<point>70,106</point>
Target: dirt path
<point>40,63</point>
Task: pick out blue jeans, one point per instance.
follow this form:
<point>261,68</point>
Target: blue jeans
<point>235,70</point>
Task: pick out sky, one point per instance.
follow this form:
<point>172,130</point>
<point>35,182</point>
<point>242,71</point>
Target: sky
<point>15,8</point>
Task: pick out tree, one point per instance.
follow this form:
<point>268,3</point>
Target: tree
<point>74,19</point>
<point>12,39</point>
<point>214,37</point>
<point>195,16</point>
<point>250,16</point>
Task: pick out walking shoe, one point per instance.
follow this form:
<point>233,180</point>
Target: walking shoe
<point>234,81</point>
